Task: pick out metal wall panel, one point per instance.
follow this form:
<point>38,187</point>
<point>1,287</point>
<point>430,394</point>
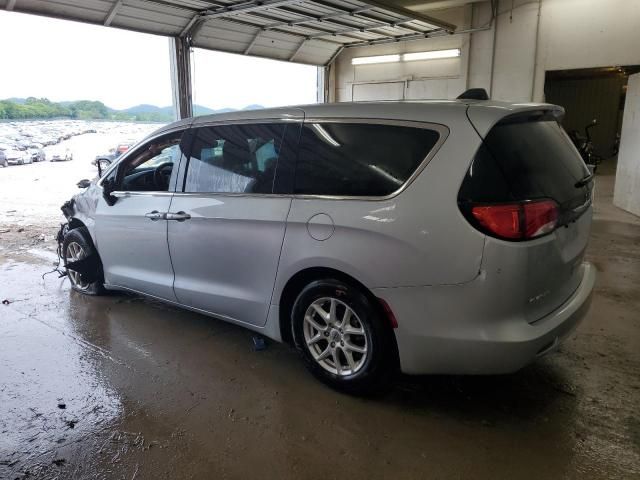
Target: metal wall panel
<point>363,92</point>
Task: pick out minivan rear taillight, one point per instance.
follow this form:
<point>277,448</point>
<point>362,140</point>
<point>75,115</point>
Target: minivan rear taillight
<point>516,221</point>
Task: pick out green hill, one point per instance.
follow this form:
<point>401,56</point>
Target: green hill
<point>43,108</point>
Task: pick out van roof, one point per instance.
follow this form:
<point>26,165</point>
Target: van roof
<point>432,111</point>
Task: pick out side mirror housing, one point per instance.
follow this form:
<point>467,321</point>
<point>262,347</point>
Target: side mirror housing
<point>108,187</point>
<point>84,183</point>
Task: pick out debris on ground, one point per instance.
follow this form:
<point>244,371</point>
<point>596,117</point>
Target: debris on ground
<point>6,302</point>
<point>62,405</point>
<point>259,343</point>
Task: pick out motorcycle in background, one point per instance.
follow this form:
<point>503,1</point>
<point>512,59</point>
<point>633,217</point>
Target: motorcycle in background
<point>584,144</point>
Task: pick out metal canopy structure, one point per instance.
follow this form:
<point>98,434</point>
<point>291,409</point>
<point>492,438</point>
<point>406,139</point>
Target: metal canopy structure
<point>313,32</point>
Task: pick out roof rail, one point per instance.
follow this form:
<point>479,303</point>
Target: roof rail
<point>474,94</point>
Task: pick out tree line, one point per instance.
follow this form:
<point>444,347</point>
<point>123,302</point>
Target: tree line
<point>43,108</point>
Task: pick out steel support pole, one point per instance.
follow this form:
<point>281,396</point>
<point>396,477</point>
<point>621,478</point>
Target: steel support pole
<point>321,85</point>
<point>180,54</point>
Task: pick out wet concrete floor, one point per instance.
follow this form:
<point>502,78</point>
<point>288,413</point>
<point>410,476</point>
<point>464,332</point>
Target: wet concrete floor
<point>121,387</point>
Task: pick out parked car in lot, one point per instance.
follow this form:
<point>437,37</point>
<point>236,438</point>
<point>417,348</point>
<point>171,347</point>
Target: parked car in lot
<point>17,157</point>
<point>37,154</point>
<point>431,237</point>
<point>105,159</point>
<point>61,155</point>
<point>3,159</point>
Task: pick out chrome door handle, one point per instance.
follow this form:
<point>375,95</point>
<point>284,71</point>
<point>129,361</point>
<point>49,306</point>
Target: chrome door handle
<point>178,217</point>
<point>155,215</point>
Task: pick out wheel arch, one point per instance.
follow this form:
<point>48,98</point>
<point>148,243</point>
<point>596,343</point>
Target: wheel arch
<point>299,280</point>
<point>76,223</point>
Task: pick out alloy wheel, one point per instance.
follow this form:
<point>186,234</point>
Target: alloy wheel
<point>75,252</point>
<point>335,336</point>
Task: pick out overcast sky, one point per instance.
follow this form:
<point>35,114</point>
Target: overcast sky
<point>61,60</point>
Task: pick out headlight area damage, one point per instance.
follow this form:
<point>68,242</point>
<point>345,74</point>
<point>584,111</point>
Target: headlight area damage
<point>80,262</point>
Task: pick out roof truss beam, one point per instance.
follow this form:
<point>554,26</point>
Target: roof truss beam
<point>112,12</point>
<point>247,7</point>
<point>316,19</point>
<point>389,6</point>
<point>398,38</point>
<point>297,51</point>
<point>344,29</point>
<point>374,23</point>
<point>253,42</point>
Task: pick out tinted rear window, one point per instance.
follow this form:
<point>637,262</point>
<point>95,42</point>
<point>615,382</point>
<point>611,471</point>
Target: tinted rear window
<point>359,159</point>
<point>522,159</point>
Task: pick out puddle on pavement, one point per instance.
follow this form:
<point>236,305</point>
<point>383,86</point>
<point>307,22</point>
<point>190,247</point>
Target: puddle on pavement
<point>52,394</point>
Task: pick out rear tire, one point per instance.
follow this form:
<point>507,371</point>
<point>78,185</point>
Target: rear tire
<point>77,245</point>
<point>344,340</point>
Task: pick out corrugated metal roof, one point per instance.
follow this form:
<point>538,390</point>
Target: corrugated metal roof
<point>304,31</point>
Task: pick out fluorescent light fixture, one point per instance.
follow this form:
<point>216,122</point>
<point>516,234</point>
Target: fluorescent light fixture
<point>407,57</point>
<point>433,54</point>
<point>375,59</point>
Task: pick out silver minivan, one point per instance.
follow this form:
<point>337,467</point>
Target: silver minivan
<point>435,237</point>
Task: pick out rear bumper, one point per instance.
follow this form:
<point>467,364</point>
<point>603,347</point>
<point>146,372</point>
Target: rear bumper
<point>440,329</point>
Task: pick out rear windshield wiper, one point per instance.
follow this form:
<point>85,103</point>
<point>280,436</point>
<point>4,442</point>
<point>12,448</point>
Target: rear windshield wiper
<point>584,180</point>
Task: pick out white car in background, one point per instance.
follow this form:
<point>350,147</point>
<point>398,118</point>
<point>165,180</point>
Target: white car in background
<point>18,157</point>
<point>61,155</point>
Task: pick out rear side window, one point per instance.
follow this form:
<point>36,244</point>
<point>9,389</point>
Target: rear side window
<point>526,158</point>
<point>234,159</point>
<point>350,159</point>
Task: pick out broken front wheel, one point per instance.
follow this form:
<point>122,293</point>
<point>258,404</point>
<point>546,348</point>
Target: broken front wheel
<point>82,262</point>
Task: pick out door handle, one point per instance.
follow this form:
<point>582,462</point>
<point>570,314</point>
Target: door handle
<point>155,215</point>
<point>178,217</point>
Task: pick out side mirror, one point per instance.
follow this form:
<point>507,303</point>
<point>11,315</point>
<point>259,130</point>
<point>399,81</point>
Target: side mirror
<point>108,187</point>
<point>84,183</point>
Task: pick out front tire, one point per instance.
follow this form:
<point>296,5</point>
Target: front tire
<point>77,245</point>
<point>342,337</point>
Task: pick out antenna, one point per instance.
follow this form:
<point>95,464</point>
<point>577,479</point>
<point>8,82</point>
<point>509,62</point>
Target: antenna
<point>474,94</point>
